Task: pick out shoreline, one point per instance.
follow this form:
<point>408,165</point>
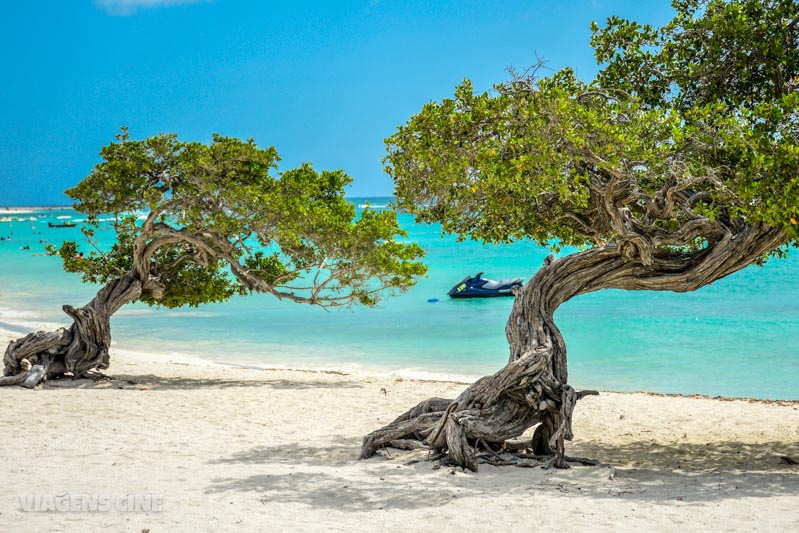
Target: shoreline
<point>8,333</point>
<point>17,329</point>
<point>18,323</point>
<point>24,209</point>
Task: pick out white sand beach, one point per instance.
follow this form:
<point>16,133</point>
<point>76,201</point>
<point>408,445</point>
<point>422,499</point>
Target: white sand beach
<point>227,448</point>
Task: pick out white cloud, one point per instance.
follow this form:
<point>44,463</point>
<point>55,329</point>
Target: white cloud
<point>128,7</point>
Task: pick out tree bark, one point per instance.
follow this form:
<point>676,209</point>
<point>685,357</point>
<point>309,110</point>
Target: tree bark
<point>533,387</point>
<point>78,349</point>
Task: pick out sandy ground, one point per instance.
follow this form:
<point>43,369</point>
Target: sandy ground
<point>224,448</point>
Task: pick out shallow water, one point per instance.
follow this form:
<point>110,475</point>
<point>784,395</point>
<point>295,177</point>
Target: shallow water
<point>737,337</point>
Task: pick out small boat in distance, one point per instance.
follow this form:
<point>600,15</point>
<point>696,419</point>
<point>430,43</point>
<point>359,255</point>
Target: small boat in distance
<point>64,225</point>
<point>480,287</point>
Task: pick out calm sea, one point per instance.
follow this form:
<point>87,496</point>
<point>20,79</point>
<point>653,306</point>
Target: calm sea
<point>738,337</point>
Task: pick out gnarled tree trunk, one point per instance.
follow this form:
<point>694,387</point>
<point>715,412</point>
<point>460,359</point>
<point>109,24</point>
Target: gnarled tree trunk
<point>533,387</point>
<point>80,348</point>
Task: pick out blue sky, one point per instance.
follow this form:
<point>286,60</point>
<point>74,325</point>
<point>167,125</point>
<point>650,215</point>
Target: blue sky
<point>323,82</point>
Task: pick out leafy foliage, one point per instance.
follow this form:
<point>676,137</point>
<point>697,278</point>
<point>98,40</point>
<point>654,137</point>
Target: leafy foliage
<point>687,132</point>
<point>221,220</point>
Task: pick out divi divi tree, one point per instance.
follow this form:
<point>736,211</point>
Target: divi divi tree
<point>677,165</point>
<point>199,223</point>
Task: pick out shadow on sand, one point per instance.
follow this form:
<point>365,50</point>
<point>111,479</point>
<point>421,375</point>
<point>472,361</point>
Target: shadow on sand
<point>153,382</point>
<point>685,473</point>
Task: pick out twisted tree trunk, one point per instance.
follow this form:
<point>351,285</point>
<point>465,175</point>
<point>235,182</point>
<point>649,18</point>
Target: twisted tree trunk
<point>80,348</point>
<point>532,388</point>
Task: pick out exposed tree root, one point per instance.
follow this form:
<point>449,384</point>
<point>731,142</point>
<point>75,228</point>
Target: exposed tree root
<point>80,350</point>
<point>515,454</point>
<point>453,430</point>
<point>95,376</point>
<point>28,378</point>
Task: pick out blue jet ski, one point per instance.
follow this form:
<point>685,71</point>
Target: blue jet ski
<point>479,287</point>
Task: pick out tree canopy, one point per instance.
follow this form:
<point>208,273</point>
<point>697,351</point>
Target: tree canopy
<point>674,167</point>
<point>686,131</point>
<point>219,219</point>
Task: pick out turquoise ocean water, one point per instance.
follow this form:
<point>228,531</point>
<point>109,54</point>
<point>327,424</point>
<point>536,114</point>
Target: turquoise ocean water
<point>738,337</point>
